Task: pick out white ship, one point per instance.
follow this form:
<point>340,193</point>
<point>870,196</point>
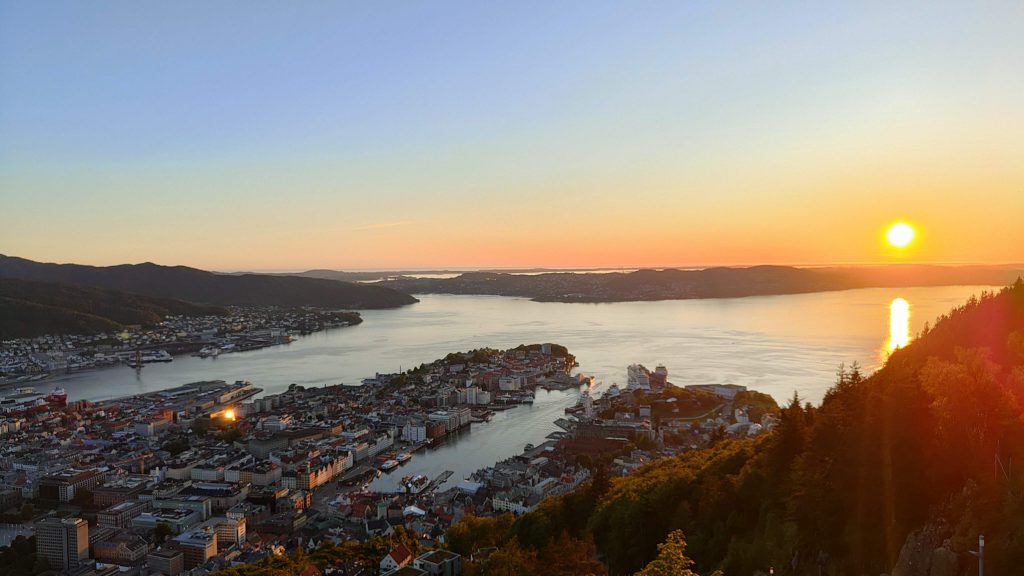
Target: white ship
<point>638,377</point>
<point>414,484</point>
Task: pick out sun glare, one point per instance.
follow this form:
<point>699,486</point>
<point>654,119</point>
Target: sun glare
<point>900,234</point>
<point>899,323</point>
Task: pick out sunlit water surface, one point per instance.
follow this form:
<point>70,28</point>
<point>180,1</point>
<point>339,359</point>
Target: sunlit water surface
<point>775,344</point>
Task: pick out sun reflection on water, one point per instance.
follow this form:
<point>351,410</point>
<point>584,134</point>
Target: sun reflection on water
<point>899,324</point>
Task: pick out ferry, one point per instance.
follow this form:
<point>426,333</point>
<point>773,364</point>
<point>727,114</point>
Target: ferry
<point>404,457</point>
<point>389,465</point>
<point>414,484</point>
<point>149,357</point>
<point>208,352</point>
<point>58,397</point>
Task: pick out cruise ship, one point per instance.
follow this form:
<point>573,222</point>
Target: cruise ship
<point>638,376</point>
<point>141,358</point>
<point>22,400</point>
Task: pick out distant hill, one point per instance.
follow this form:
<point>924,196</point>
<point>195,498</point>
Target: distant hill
<point>719,282</point>
<point>200,286</point>
<point>32,309</point>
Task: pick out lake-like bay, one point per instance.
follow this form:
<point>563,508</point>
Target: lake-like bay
<point>774,344</point>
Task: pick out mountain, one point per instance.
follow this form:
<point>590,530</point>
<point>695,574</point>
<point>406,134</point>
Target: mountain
<point>32,309</point>
<point>193,285</point>
<point>718,282</point>
<point>896,473</point>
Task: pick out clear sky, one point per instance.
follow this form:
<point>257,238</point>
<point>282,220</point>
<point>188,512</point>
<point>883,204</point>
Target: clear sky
<point>292,135</point>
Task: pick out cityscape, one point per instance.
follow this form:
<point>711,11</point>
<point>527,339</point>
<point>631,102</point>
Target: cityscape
<point>525,288</point>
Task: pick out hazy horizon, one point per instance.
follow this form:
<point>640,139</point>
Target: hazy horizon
<point>553,268</point>
<point>455,134</point>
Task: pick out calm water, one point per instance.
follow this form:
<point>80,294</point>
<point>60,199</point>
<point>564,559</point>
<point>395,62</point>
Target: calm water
<point>775,344</point>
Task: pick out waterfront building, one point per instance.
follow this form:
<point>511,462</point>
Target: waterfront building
<point>415,430</point>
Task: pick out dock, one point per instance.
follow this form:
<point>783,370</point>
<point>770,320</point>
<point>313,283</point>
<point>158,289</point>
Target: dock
<point>358,472</point>
<point>441,479</point>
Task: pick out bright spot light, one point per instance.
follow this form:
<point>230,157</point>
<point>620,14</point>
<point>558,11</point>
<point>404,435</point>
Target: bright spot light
<point>899,324</point>
<point>900,234</point>
<point>229,414</point>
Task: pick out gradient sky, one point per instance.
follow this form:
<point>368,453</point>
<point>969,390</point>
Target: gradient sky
<point>431,134</point>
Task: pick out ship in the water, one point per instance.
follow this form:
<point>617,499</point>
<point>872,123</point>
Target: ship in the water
<point>59,397</point>
<point>22,401</point>
<point>414,484</point>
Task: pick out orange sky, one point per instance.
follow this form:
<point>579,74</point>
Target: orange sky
<point>686,135</point>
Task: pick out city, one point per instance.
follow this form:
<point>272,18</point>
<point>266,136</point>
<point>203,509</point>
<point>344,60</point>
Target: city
<point>211,475</point>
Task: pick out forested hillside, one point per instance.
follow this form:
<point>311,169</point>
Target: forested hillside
<point>30,309</point>
<point>896,473</point>
<point>193,285</point>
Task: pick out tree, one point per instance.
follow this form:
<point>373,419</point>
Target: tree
<point>161,532</point>
<point>83,497</point>
<point>565,556</point>
<point>27,511</point>
<point>512,560</point>
<point>176,446</point>
<point>671,560</point>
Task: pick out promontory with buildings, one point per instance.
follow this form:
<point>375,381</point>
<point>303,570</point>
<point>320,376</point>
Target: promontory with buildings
<point>211,475</point>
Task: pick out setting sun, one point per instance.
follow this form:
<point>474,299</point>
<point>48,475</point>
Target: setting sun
<point>900,234</point>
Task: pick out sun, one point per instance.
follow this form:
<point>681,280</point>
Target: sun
<point>900,234</point>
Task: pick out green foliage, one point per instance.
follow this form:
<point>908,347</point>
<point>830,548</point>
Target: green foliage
<point>365,555</point>
<point>161,532</point>
<point>473,533</point>
<point>671,560</point>
<point>177,445</point>
<point>36,308</point>
<point>231,435</point>
<point>19,559</point>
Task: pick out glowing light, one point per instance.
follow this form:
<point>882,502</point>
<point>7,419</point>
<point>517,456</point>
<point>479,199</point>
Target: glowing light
<point>899,324</point>
<point>229,414</point>
<point>900,234</point>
